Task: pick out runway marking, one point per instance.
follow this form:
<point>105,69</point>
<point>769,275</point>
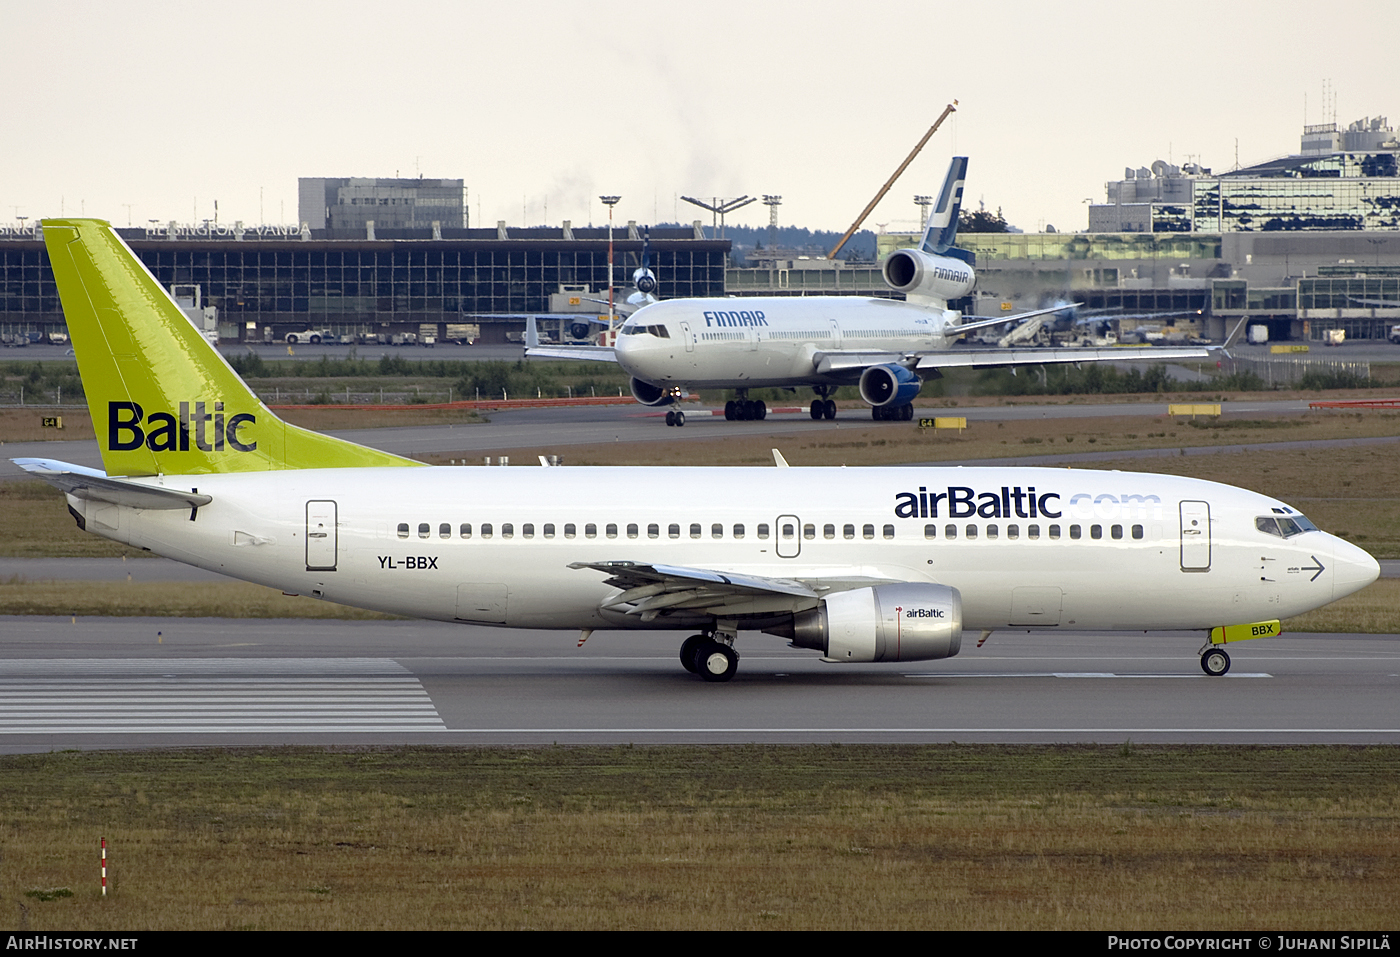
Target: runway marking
<point>212,696</point>
<point>1075,674</point>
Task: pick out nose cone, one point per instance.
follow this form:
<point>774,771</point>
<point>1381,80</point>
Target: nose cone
<point>1352,569</point>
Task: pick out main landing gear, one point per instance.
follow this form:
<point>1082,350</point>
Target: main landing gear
<point>892,413</point>
<point>743,410</point>
<point>675,417</point>
<point>711,659</point>
<point>823,407</point>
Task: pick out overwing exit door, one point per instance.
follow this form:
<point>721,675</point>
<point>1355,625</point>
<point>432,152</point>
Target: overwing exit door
<point>1195,536</point>
<point>320,536</point>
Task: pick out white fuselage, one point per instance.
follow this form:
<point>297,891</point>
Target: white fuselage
<point>1084,550</point>
<point>757,343</point>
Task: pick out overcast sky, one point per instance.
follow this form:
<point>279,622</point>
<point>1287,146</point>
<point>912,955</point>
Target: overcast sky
<point>139,110</point>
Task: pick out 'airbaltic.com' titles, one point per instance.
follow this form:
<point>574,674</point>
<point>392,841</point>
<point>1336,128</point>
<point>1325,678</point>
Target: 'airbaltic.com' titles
<point>881,564</point>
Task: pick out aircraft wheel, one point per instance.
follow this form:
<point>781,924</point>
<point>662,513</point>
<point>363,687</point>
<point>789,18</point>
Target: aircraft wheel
<point>818,408</point>
<point>829,408</point>
<point>689,648</point>
<point>671,417</point>
<point>717,662</point>
<point>744,412</point>
<point>1215,662</point>
<point>877,413</point>
<point>680,418</point>
<point>730,412</point>
<point>760,410</point>
<point>907,413</point>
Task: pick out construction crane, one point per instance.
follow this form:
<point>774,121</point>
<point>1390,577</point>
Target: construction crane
<point>950,108</point>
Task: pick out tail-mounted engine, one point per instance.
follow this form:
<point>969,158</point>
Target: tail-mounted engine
<point>907,622</point>
<point>889,385</point>
<point>918,274</point>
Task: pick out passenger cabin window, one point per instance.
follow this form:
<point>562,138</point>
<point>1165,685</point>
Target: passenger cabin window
<point>485,529</point>
<point>527,530</point>
<point>444,530</point>
<point>867,531</point>
<point>1096,532</point>
<point>466,530</point>
<point>694,529</point>
<point>673,530</point>
<point>1073,532</point>
<point>738,531</point>
<point>992,531</point>
<point>1137,531</point>
<point>950,531</point>
<point>889,531</point>
<point>971,531</point>
<point>763,530</point>
<point>403,529</point>
<point>653,530</point>
<point>570,531</point>
<point>1032,531</point>
<point>716,530</point>
<point>632,530</point>
<point>1055,531</point>
<point>1116,532</point>
<point>809,531</point>
<point>507,530</point>
<point>930,531</point>
<point>591,531</point>
<point>424,529</point>
<point>828,531</point>
<point>848,531</point>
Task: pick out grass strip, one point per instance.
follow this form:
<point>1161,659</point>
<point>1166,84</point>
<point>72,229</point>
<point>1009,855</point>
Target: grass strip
<point>747,837</point>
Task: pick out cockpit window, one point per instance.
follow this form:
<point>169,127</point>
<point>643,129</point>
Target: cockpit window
<point>1284,526</point>
<point>661,332</point>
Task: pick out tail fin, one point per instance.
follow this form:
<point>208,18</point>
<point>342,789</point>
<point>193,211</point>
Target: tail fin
<point>163,400</point>
<point>942,228</point>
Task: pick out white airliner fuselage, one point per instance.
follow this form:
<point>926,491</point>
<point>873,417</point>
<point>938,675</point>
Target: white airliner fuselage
<point>1024,547</point>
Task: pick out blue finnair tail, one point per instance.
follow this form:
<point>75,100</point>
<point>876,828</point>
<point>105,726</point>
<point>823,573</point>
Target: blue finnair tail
<point>942,228</point>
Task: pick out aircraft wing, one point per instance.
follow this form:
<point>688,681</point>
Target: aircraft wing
<point>963,328</point>
<point>649,590</point>
<point>589,353</point>
<point>89,483</point>
<point>996,358</point>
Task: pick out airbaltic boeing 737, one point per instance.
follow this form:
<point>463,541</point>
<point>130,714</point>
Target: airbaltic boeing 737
<point>859,564</point>
<point>884,346</point>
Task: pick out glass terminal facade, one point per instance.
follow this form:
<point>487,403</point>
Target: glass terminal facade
<point>347,286</point>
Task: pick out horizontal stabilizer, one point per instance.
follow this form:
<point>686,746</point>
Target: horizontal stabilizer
<point>88,483</point>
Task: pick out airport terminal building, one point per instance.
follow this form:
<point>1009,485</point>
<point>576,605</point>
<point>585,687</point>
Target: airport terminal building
<point>268,282</point>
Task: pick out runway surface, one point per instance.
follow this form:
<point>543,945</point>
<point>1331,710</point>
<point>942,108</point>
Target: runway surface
<point>562,427</point>
<point>148,682</point>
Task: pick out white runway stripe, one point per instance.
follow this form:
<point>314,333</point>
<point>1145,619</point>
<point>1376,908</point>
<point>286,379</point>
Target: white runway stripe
<point>212,696</point>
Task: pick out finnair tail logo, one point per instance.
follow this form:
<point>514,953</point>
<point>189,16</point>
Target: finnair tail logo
<point>129,428</point>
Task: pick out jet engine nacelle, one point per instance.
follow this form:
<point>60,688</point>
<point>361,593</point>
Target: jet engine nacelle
<point>579,330</point>
<point>904,622</point>
<point>644,281</point>
<point>648,394</point>
<point>917,273</point>
<point>890,385</point>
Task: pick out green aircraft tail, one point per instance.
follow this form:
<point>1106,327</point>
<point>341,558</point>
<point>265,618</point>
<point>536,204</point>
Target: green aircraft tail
<point>163,400</point>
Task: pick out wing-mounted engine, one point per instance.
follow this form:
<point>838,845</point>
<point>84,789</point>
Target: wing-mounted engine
<point>900,622</point>
<point>888,385</point>
<point>648,394</point>
<point>925,277</point>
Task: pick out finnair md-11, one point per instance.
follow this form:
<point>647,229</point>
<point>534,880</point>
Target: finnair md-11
<point>884,346</point>
<point>860,565</point>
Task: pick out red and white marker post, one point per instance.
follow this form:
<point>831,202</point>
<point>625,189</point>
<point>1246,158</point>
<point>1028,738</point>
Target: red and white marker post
<point>104,867</point>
